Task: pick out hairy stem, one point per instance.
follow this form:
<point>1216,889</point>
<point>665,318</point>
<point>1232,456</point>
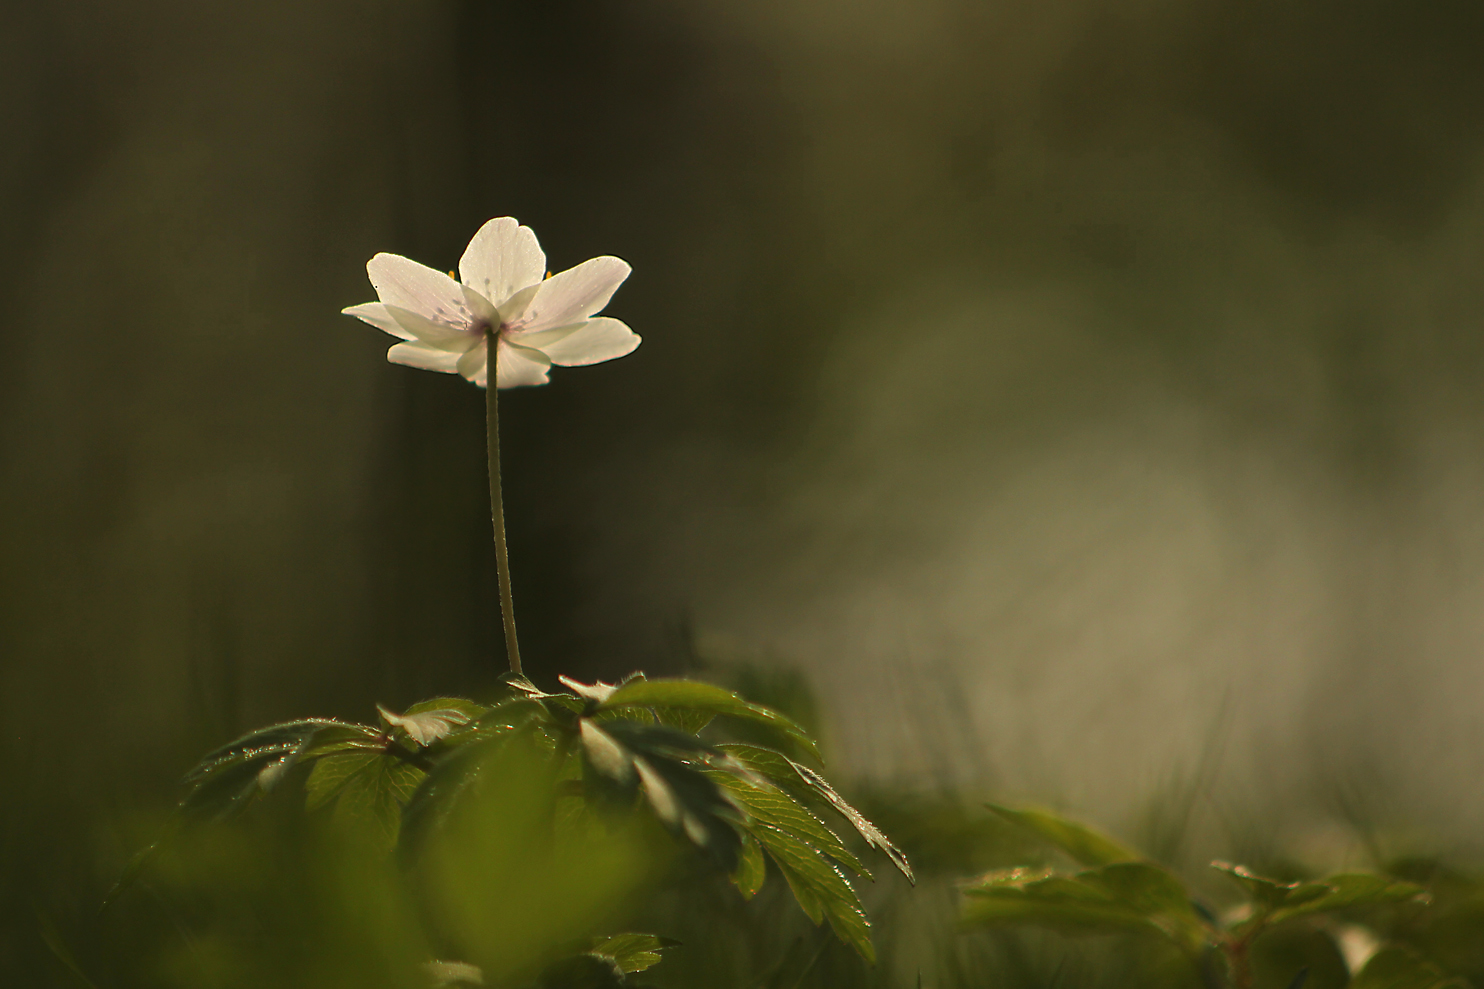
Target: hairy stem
<point>497,506</point>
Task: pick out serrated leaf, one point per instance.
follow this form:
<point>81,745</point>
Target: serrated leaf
<point>667,767</point>
<point>1395,967</point>
<point>751,871</point>
<point>633,952</point>
<point>772,764</point>
<point>810,788</point>
<point>857,820</point>
<point>230,777</point>
<point>1085,845</point>
<point>1351,889</point>
<point>428,721</point>
<point>776,808</point>
<point>820,888</point>
<point>711,699</point>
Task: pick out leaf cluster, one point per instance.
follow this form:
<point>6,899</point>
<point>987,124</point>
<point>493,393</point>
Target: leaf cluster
<point>1117,890</point>
<point>606,751</point>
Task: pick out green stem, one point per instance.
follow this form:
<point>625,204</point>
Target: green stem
<point>497,507</point>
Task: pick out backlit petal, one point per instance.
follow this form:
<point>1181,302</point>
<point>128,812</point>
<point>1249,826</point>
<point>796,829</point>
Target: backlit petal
<point>433,333</point>
<point>416,355</point>
<point>502,259</point>
<point>376,314</point>
<point>520,366</point>
<point>471,365</point>
<point>597,340</point>
<point>416,288</point>
<point>574,294</point>
<point>513,309</point>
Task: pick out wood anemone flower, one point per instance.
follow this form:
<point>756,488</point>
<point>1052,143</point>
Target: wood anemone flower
<point>445,325</point>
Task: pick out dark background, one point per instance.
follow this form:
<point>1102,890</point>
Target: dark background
<point>1107,375</point>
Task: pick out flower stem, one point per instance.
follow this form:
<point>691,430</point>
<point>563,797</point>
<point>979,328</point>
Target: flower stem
<point>1239,966</point>
<point>497,506</point>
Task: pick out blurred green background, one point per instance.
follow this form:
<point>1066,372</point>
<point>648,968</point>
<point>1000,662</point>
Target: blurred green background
<point>1085,396</point>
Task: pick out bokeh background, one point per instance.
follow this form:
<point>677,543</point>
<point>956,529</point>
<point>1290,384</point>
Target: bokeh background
<point>1087,397</point>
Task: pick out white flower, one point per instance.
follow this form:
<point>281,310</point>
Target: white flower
<point>538,321</point>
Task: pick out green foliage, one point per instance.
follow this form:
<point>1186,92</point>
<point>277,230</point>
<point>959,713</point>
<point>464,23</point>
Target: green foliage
<point>1122,897</point>
<point>537,792</point>
<point>706,698</point>
<point>1124,894</point>
<point>1082,843</point>
<point>820,888</point>
<point>633,952</point>
<point>807,788</point>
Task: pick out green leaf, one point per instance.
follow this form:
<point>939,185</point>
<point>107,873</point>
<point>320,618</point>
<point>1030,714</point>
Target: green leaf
<point>774,807</point>
<point>1395,967</point>
<point>428,721</point>
<point>1124,896</point>
<point>633,952</point>
<point>597,693</point>
<point>688,719</point>
<point>1350,889</point>
<point>229,778</point>
<point>1082,843</point>
<point>751,870</point>
<point>1269,894</point>
<point>234,775</point>
<point>867,830</point>
<point>373,789</point>
<point>773,764</point>
<point>711,699</point>
<point>820,888</point>
<point>811,789</point>
<point>330,775</point>
<point>511,714</point>
<point>440,790</point>
<point>668,767</point>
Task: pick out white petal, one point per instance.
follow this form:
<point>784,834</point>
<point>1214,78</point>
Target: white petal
<point>502,259</point>
<point>574,294</point>
<point>519,366</point>
<point>514,308</point>
<point>377,315</point>
<point>434,333</point>
<point>480,308</point>
<point>592,342</point>
<point>416,355</point>
<point>471,365</point>
<point>417,288</point>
